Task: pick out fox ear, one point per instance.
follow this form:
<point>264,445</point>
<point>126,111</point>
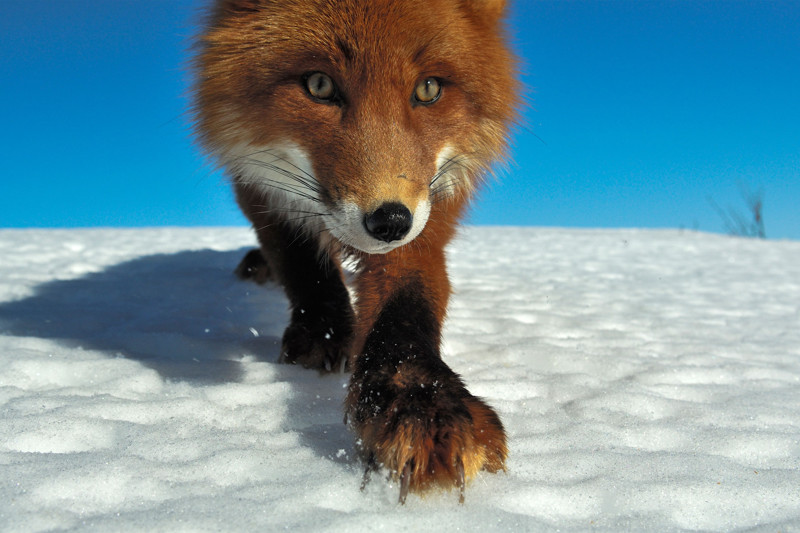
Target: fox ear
<point>239,6</point>
<point>488,9</point>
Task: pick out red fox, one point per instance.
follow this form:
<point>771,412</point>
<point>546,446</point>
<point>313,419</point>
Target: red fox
<point>361,129</point>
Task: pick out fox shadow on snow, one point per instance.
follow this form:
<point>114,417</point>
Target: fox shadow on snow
<point>187,316</point>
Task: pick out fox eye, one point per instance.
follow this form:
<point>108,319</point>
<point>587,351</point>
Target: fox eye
<point>320,86</point>
<point>427,91</point>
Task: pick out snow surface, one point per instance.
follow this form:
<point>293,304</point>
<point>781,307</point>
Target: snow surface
<point>648,380</point>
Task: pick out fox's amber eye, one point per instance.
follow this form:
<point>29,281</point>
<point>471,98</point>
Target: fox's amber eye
<point>427,91</point>
<point>320,86</point>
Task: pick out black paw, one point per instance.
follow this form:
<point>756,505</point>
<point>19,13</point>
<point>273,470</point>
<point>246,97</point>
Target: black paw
<point>318,340</point>
<point>253,267</point>
<point>419,422</point>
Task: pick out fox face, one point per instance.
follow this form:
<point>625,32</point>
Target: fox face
<point>353,119</point>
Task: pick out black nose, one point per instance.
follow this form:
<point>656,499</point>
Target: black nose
<point>390,222</point>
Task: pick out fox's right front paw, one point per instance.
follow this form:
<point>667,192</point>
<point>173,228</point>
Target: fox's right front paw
<point>253,267</point>
<point>316,341</point>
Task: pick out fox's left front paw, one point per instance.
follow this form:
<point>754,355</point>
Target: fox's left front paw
<point>424,427</point>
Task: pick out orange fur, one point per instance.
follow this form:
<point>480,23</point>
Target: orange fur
<point>358,164</point>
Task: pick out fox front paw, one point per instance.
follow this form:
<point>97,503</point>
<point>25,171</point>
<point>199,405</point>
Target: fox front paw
<point>253,267</point>
<point>317,342</point>
<point>425,428</point>
<point>312,349</point>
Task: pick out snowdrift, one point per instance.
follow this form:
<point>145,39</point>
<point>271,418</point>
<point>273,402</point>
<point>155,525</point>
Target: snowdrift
<point>648,380</point>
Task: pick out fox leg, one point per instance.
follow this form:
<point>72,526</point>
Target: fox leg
<point>320,331</point>
<point>412,413</point>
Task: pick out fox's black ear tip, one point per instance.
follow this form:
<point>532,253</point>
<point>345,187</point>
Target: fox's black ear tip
<point>240,6</point>
<point>493,9</point>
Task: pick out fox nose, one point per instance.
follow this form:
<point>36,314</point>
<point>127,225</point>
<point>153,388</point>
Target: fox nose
<point>390,222</point>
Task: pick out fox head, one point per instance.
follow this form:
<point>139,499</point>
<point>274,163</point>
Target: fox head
<point>359,118</point>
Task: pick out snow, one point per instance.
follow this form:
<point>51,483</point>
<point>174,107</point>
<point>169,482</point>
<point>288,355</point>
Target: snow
<point>648,380</point>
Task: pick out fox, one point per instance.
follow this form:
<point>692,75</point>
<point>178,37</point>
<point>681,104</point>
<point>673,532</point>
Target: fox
<point>359,131</point>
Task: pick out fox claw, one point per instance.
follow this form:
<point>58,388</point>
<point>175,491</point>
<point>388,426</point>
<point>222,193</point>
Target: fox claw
<point>368,471</point>
<point>460,480</point>
<point>405,480</point>
<point>310,343</point>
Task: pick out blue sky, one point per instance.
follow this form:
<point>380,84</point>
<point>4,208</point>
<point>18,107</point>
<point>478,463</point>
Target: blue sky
<point>641,114</point>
